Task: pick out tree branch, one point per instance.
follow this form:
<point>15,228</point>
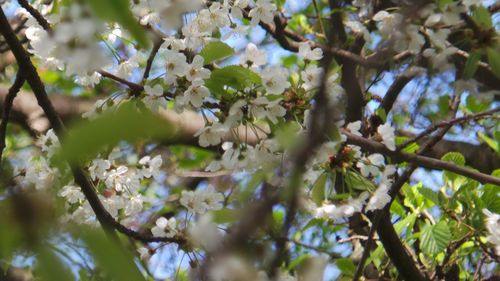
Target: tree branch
<point>426,162</point>
<point>29,71</point>
<point>9,100</point>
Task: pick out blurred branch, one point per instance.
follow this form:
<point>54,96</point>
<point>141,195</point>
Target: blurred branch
<point>29,71</point>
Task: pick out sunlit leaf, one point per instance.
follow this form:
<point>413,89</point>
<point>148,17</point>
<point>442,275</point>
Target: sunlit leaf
<point>346,266</point>
<point>127,123</point>
<point>216,50</point>
<point>435,238</point>
<point>233,76</point>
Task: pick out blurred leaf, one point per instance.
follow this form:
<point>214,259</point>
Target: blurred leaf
<point>50,267</point>
<point>318,190</point>
<point>494,60</point>
<point>489,141</point>
<point>234,76</point>
<point>118,11</point>
<point>226,215</point>
<point>346,266</point>
<point>482,17</point>
<point>382,114</point>
<point>444,105</point>
<point>435,238</point>
<point>215,51</point>
<point>127,123</point>
<point>112,259</point>
<point>471,64</point>
<point>296,262</point>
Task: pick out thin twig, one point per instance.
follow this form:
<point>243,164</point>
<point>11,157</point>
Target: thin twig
<point>9,101</point>
<point>29,71</point>
<point>36,14</point>
<point>462,119</point>
<point>151,58</point>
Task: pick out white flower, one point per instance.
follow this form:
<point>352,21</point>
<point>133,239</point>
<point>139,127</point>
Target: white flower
<point>50,143</point>
<point>370,165</point>
<point>387,134</point>
<point>99,106</point>
<point>154,97</point>
<point>359,28</point>
<point>379,199</point>
<point>261,107</point>
<point>492,225</point>
<point>134,205</point>
<point>156,91</point>
<point>204,233</point>
<point>354,128</point>
<point>263,11</point>
<point>311,77</point>
<point>195,94</point>
<point>211,135</point>
<point>308,54</point>
<point>88,80</point>
<point>150,166</point>
<point>237,8</point>
<point>213,199</point>
<point>193,202</point>
<point>165,227</point>
<point>144,253</point>
<point>275,79</point>
<point>196,70</point>
<point>99,169</point>
<point>72,193</point>
<point>219,15</point>
<point>253,56</point>
<point>175,63</point>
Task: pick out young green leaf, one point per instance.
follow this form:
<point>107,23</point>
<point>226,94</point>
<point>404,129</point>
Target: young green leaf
<point>494,60</point>
<point>127,123</point>
<point>216,50</point>
<point>435,238</point>
<point>233,76</point>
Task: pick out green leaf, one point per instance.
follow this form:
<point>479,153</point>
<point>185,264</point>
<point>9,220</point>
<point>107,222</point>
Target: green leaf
<point>489,141</point>
<point>494,60</point>
<point>118,11</point>
<point>346,266</point>
<point>226,215</point>
<point>355,180</point>
<point>435,238</point>
<point>318,190</point>
<point>471,64</point>
<point>381,113</point>
<point>50,267</point>
<point>406,223</point>
<point>455,157</point>
<point>430,194</point>
<point>482,17</point>
<point>298,261</point>
<point>444,105</point>
<point>215,51</point>
<point>233,76</point>
<point>127,123</point>
<point>111,257</point>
